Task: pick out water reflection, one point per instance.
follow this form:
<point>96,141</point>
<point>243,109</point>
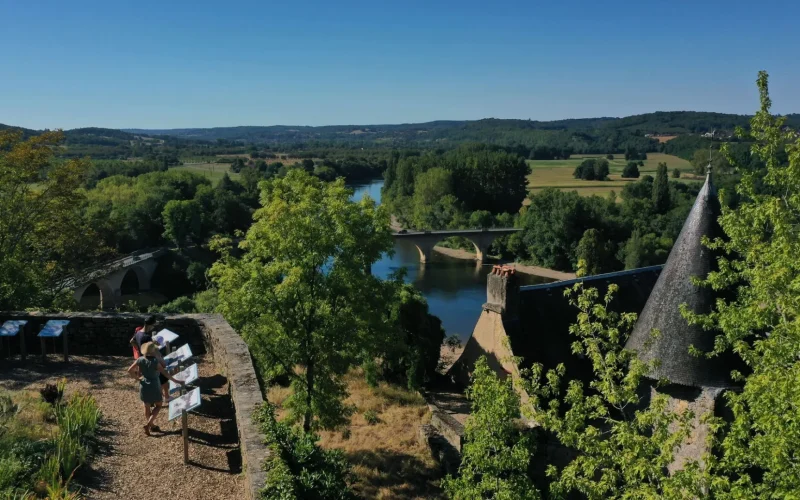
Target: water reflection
<point>455,288</point>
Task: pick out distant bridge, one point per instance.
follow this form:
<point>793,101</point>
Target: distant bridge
<point>482,239</point>
<point>108,277</point>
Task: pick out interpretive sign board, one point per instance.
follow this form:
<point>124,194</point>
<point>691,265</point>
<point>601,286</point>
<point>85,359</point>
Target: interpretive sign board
<point>187,375</point>
<point>174,358</point>
<point>53,328</point>
<point>187,402</point>
<point>11,327</point>
<point>165,337</point>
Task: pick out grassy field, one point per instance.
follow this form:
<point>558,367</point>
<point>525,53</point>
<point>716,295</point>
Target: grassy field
<point>214,171</point>
<point>558,173</point>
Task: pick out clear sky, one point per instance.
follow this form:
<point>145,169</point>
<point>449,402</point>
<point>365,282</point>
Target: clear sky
<point>166,64</point>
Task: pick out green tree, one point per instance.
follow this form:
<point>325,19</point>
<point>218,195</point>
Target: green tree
<point>481,219</point>
<point>676,174</point>
<point>496,452</point>
<point>660,196</point>
<point>631,170</point>
<point>301,294</point>
<point>43,235</point>
<point>759,320</point>
<point>623,446</point>
<point>183,222</point>
<point>700,161</point>
<point>592,252</point>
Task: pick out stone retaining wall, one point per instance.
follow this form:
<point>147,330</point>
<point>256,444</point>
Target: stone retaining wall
<point>110,333</point>
<point>233,358</point>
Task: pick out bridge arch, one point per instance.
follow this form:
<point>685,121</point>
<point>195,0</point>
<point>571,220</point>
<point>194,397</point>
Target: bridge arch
<point>481,239</point>
<point>106,296</point>
<point>425,247</point>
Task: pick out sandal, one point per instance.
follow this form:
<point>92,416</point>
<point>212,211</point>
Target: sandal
<point>155,428</point>
<point>147,429</point>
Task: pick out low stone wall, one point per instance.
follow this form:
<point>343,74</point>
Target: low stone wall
<point>233,357</point>
<point>109,334</point>
<point>101,333</point>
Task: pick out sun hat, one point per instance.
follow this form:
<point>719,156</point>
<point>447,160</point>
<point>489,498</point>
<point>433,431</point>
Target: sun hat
<point>150,349</point>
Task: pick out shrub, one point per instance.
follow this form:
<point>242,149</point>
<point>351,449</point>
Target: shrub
<point>52,393</point>
<point>609,156</point>
<point>676,173</point>
<point>298,467</point>
<point>631,170</point>
<point>371,417</point>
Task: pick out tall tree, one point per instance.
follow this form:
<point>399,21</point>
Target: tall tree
<point>301,294</point>
<point>661,201</point>
<point>496,453</point>
<point>43,235</point>
<point>592,253</point>
<point>761,447</point>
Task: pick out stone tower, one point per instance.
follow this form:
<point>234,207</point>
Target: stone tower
<point>693,382</point>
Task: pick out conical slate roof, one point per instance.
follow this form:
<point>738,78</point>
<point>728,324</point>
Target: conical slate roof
<point>674,287</point>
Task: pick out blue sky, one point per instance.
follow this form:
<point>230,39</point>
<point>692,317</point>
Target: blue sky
<point>200,64</point>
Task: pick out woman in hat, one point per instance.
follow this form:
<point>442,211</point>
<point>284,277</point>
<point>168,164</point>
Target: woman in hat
<point>147,369</point>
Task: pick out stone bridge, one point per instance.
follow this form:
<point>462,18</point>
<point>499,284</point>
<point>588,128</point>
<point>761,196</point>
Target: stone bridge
<point>482,239</point>
<point>108,277</point>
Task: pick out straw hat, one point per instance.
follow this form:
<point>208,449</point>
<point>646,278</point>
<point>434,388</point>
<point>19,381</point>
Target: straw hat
<point>149,349</point>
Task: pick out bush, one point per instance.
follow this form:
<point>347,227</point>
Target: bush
<point>298,467</point>
<point>631,171</point>
<point>609,156</point>
<point>371,417</point>
<point>676,174</point>
<point>592,169</point>
<point>52,393</point>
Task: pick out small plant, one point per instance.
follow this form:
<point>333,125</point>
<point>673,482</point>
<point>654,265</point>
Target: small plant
<point>371,416</point>
<point>7,407</point>
<point>52,393</point>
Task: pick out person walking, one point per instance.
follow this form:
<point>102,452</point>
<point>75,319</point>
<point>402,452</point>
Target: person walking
<point>142,335</point>
<point>147,369</point>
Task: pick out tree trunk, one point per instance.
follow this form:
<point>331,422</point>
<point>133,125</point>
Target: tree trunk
<point>309,392</point>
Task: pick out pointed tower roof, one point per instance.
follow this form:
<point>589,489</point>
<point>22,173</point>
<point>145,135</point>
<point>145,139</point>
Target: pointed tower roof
<point>674,287</point>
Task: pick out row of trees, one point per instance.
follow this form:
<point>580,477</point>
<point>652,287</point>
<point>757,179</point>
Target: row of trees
<point>429,191</point>
<point>560,228</point>
<point>627,449</point>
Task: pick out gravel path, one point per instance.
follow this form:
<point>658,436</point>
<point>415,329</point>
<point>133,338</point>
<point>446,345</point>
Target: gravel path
<point>130,465</point>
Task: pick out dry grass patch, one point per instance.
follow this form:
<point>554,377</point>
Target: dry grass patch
<point>387,458</point>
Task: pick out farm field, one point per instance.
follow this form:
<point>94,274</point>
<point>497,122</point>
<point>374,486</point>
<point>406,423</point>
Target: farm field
<point>558,173</point>
<point>214,171</point>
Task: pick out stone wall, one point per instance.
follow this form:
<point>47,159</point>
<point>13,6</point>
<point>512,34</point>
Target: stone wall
<point>233,359</point>
<point>102,333</point>
<point>110,333</point>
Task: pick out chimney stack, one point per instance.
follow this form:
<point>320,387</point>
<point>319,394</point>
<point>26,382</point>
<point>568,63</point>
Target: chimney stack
<point>502,291</point>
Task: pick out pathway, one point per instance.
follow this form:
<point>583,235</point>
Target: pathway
<point>127,459</point>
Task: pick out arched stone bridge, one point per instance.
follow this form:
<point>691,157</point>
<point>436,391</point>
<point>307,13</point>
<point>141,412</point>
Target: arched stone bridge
<point>482,239</point>
<point>108,277</point>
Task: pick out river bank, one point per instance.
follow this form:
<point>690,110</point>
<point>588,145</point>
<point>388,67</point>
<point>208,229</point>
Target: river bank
<point>457,253</point>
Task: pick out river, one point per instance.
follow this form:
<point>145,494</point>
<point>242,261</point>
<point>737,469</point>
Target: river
<point>455,288</point>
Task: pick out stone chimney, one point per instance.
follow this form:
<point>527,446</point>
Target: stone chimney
<point>502,292</point>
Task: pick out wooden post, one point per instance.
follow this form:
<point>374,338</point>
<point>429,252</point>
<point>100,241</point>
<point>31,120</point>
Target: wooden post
<point>66,349</point>
<point>44,349</point>
<point>22,341</point>
<point>185,424</point>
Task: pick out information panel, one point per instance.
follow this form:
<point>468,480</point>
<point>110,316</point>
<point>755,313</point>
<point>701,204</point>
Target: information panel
<point>165,337</point>
<point>187,402</point>
<point>53,328</point>
<point>187,375</point>
<point>172,359</point>
<point>11,327</point>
